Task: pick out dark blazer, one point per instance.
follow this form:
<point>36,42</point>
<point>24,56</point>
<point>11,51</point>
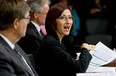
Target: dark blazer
<point>10,64</point>
<point>31,42</point>
<point>54,60</point>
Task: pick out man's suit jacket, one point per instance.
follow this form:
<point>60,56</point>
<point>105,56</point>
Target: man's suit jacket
<point>54,60</point>
<point>10,64</point>
<point>31,42</point>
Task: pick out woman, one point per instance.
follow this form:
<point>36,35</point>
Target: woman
<point>53,59</point>
<point>76,34</point>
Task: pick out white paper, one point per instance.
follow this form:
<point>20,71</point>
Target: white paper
<point>100,69</point>
<point>97,74</point>
<point>102,55</point>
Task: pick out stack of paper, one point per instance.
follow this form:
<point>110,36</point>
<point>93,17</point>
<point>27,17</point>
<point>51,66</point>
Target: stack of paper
<point>102,55</point>
<point>96,74</point>
<point>100,69</point>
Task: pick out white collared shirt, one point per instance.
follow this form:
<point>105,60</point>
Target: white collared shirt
<point>37,27</point>
<point>9,43</point>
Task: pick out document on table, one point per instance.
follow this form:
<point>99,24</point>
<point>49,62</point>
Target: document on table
<point>100,69</point>
<point>102,55</point>
<point>97,74</point>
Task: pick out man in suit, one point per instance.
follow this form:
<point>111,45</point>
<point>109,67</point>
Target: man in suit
<point>14,17</point>
<point>31,42</point>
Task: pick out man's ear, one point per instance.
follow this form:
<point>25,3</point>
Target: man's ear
<point>35,14</point>
<point>15,23</point>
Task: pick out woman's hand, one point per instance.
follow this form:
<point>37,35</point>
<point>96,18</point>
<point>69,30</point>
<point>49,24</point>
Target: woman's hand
<point>88,46</point>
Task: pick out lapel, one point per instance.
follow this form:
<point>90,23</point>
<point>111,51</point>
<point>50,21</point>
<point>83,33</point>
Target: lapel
<point>15,58</point>
<point>32,27</point>
<point>41,32</point>
<point>26,58</point>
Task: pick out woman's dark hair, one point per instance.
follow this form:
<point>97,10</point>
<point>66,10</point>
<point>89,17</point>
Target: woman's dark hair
<point>54,13</point>
<point>70,2</point>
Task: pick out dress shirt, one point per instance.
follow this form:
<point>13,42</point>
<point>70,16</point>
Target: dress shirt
<point>38,28</point>
<point>9,43</point>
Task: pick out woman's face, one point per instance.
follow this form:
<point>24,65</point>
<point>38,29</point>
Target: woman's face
<point>64,23</point>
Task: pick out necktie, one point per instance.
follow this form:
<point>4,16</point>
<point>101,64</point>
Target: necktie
<point>41,32</point>
<point>23,60</point>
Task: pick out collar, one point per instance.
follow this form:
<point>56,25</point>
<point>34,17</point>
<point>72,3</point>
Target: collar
<point>36,26</point>
<point>9,43</point>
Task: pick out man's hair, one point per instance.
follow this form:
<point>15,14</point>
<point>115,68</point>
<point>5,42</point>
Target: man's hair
<point>37,5</point>
<point>11,10</point>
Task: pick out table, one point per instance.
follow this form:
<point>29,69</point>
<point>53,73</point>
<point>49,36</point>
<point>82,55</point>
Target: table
<point>97,74</point>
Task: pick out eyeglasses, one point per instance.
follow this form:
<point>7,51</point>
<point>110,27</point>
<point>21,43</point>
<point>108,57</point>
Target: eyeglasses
<point>29,17</point>
<point>42,13</point>
<point>65,17</point>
